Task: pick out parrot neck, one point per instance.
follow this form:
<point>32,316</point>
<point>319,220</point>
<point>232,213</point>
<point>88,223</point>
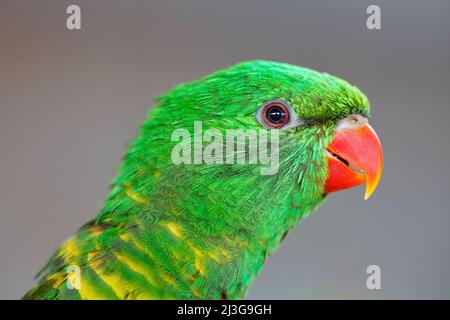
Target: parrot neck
<point>204,231</point>
<point>186,255</point>
<point>202,245</point>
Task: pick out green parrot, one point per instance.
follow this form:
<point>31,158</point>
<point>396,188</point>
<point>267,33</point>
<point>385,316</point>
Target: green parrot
<point>176,226</point>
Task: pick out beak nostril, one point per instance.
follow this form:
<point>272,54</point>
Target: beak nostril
<point>354,119</point>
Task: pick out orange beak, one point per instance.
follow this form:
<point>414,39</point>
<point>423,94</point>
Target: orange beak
<point>353,150</point>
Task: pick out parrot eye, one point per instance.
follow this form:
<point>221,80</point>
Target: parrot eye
<point>275,114</point>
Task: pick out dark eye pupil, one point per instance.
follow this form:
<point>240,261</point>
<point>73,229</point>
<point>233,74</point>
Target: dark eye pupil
<point>275,114</point>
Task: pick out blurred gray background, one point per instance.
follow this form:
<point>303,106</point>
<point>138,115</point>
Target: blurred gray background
<point>71,100</point>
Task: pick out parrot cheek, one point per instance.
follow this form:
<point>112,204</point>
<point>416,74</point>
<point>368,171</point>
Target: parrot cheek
<point>354,157</point>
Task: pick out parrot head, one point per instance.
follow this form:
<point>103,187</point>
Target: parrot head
<point>322,121</point>
<point>324,144</point>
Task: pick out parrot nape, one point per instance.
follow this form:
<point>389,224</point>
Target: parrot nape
<point>204,231</point>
